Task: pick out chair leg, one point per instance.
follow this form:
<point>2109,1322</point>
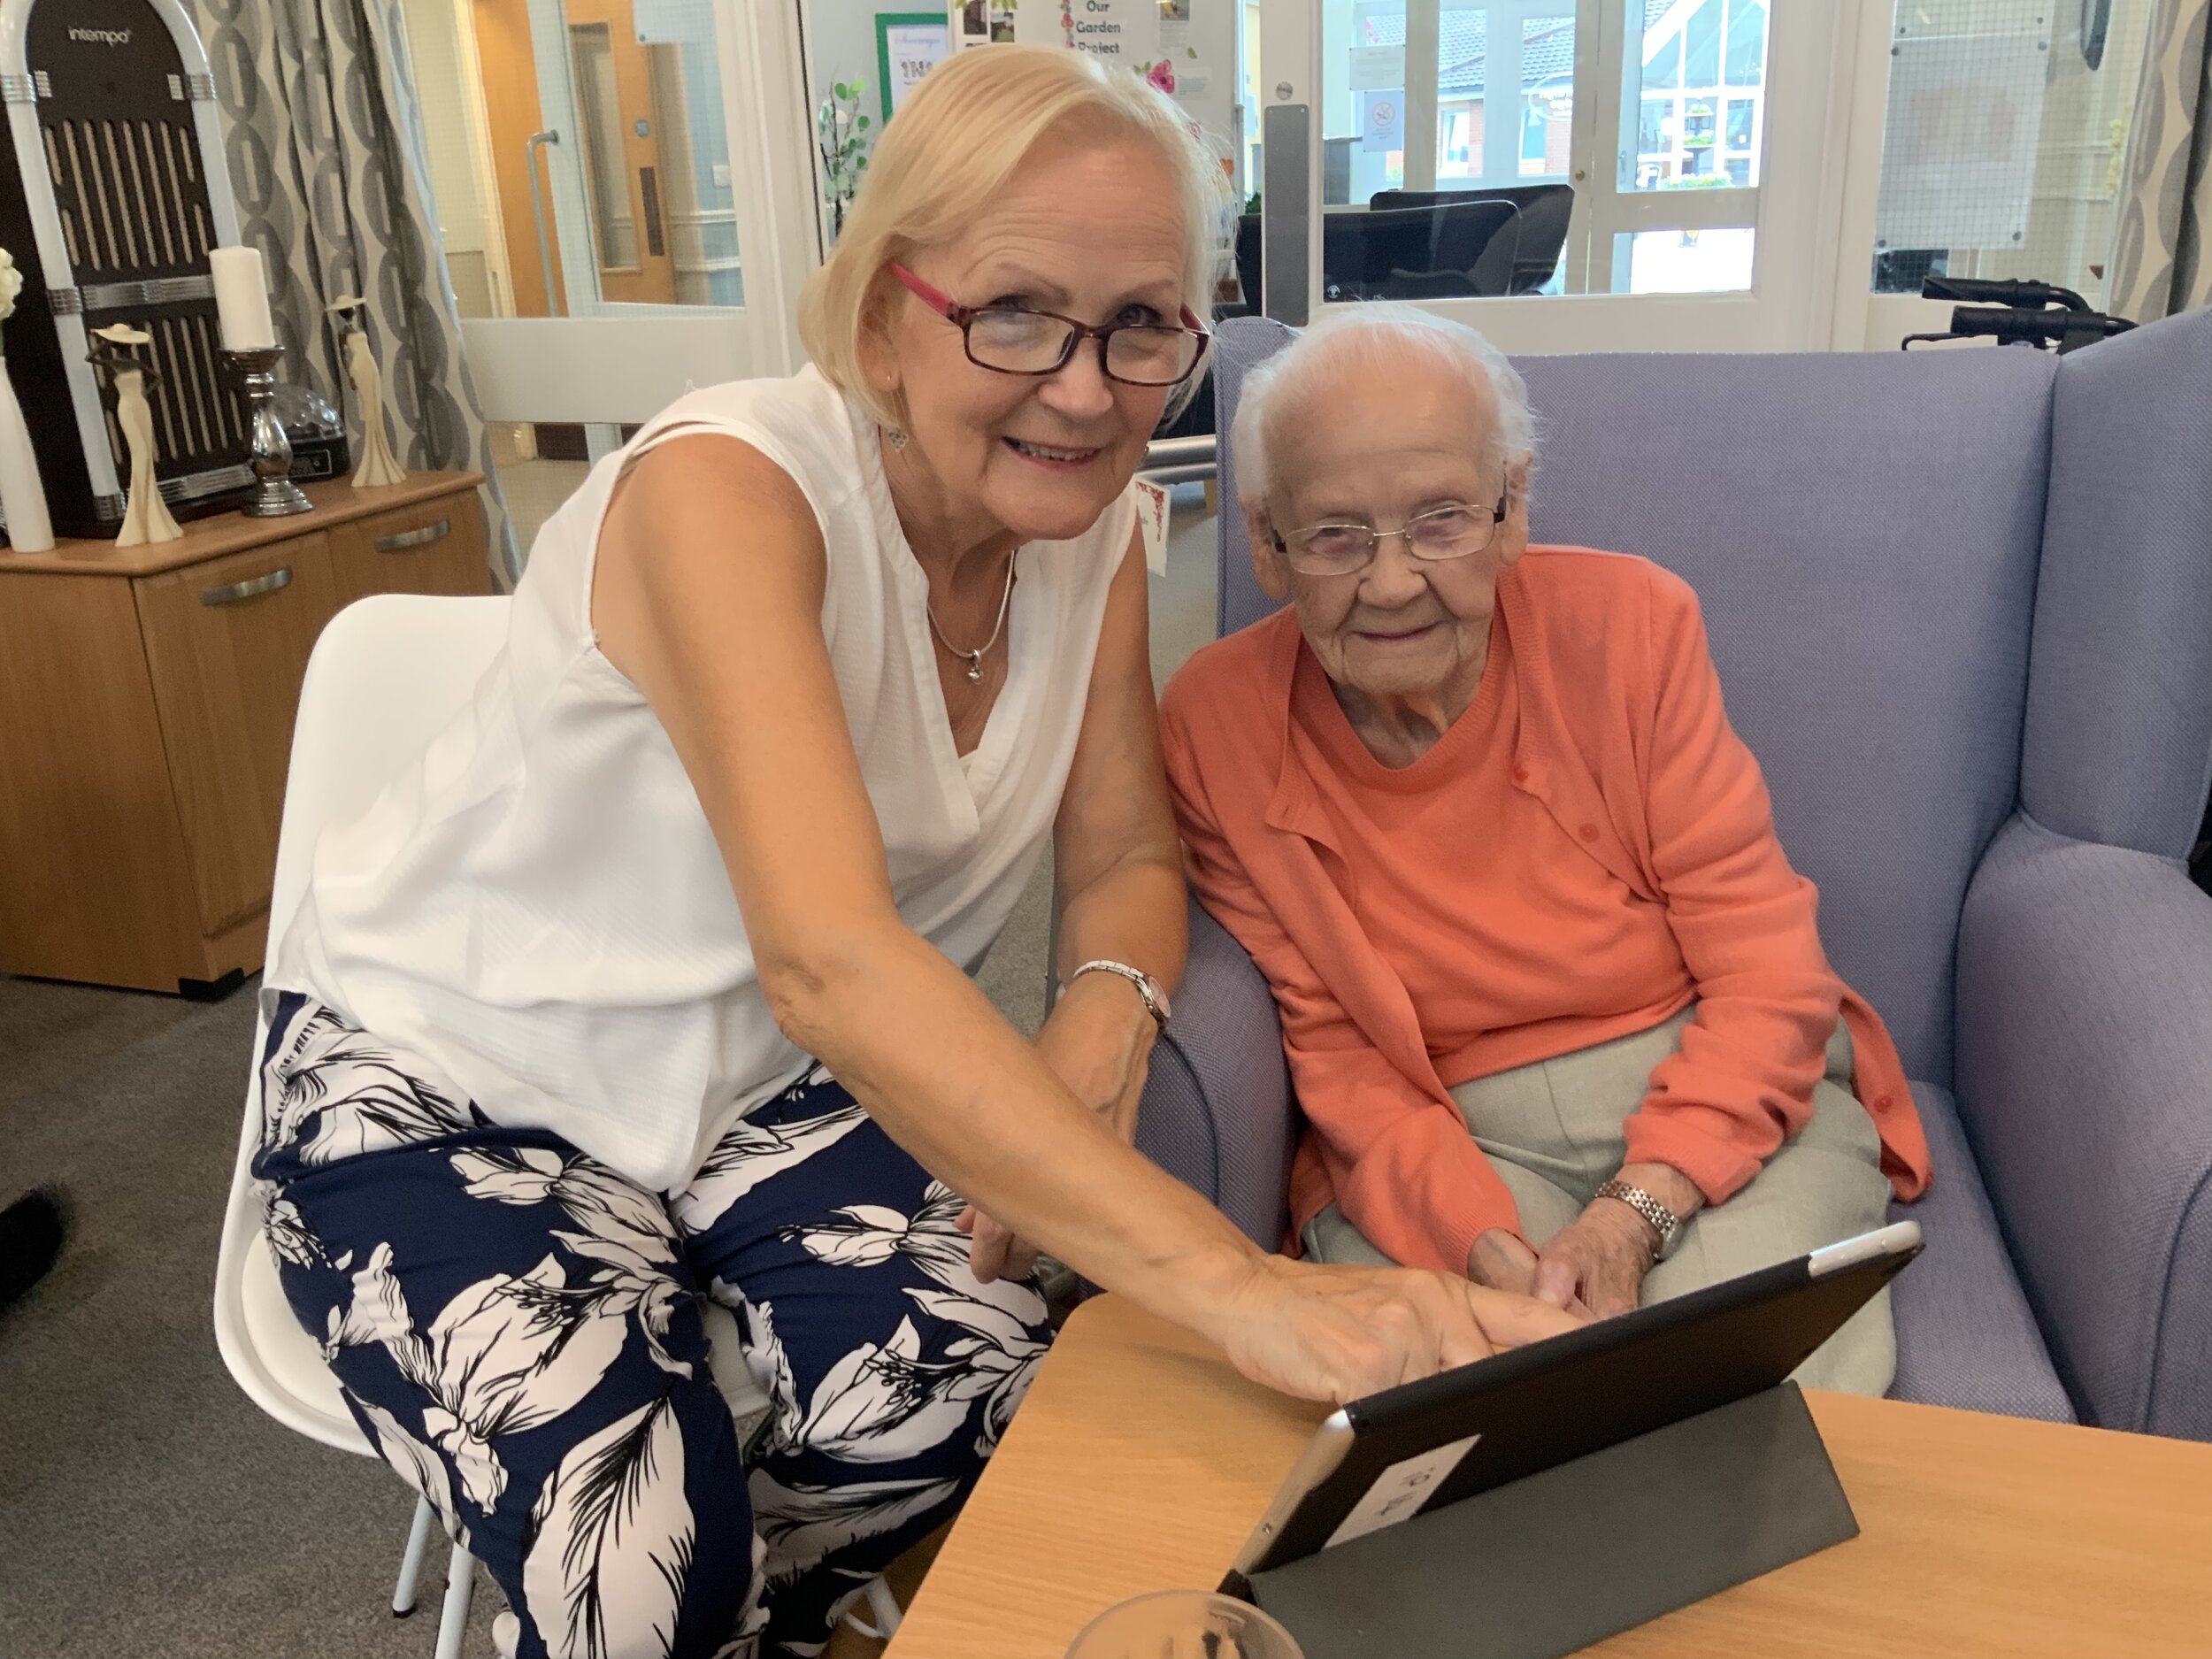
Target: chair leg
<point>411,1563</point>
<point>882,1605</point>
<point>460,1579</point>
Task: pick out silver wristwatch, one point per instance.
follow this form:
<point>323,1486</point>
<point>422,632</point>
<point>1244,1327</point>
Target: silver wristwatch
<point>1154,992</point>
<point>1663,1221</point>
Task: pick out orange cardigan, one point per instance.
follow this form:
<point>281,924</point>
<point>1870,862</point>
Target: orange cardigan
<point>1623,729</point>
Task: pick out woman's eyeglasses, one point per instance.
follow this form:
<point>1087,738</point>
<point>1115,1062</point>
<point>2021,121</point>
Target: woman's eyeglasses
<point>1015,339</point>
<point>1442,532</point>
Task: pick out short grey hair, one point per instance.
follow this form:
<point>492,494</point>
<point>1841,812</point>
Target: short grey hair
<point>1366,334</point>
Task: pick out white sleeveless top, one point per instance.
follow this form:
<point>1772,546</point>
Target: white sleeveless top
<point>537,906</point>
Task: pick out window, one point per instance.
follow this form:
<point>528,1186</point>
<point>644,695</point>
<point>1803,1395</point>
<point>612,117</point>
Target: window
<point>1686,261</point>
<point>1547,78</point>
<point>1680,96</point>
<point>1746,50</point>
<point>1462,137</point>
<point>1701,46</point>
<point>1692,88</point>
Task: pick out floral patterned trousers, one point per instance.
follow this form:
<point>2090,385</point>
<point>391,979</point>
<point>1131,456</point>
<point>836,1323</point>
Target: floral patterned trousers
<point>516,1328</point>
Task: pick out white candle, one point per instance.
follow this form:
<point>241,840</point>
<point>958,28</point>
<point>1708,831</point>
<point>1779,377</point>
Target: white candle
<point>242,297</point>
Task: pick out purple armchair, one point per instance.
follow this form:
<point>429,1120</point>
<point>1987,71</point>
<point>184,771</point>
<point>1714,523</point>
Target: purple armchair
<point>1962,606</point>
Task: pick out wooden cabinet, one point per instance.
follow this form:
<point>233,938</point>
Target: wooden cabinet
<point>434,546</point>
<point>227,644</point>
<point>146,703</point>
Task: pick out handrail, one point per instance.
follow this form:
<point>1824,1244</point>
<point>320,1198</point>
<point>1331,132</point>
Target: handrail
<point>530,147</point>
<point>1180,460</point>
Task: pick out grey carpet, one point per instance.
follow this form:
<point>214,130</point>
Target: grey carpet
<point>146,1507</point>
<point>148,1510</point>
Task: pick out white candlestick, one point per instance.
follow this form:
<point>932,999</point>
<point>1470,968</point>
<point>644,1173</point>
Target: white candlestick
<point>242,297</point>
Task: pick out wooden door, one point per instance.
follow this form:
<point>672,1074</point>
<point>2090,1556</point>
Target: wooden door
<point>613,78</point>
<point>226,643</point>
<point>512,113</point>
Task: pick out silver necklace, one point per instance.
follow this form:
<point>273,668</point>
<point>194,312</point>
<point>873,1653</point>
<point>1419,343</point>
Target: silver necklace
<point>975,658</point>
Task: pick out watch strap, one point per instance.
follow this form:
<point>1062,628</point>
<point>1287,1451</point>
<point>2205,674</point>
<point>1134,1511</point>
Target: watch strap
<point>1662,1220</point>
<point>1155,994</point>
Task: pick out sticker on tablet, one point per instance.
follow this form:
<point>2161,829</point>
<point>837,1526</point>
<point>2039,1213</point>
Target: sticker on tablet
<point>1400,1491</point>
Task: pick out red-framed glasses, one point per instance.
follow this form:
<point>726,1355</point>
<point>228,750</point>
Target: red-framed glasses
<point>1015,339</point>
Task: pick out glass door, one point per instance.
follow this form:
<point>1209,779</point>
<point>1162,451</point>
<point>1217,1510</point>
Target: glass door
<point>1576,174</point>
<point>626,196</point>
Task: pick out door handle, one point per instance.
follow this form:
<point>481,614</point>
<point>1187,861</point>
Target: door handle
<point>530,147</point>
<point>252,587</point>
<point>400,541</point>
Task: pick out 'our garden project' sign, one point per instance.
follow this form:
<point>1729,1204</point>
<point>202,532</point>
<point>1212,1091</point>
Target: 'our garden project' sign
<point>1126,32</point>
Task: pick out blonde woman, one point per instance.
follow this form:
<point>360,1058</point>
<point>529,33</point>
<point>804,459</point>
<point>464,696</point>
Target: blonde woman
<point>651,980</point>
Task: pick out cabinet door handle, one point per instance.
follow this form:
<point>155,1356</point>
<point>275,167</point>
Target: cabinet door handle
<point>252,587</point>
<point>400,541</point>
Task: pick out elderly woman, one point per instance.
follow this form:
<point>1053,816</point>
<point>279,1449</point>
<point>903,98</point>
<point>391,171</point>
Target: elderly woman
<point>649,977</point>
<point>1554,1002</point>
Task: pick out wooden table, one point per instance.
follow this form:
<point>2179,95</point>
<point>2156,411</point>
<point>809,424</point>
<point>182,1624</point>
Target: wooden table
<point>1141,1461</point>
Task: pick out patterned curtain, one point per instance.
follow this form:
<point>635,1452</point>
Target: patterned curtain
<point>327,153</point>
<point>2160,261</point>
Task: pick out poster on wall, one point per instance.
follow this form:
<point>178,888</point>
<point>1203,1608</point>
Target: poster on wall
<point>1125,32</point>
<point>982,22</point>
<point>1382,121</point>
<point>909,45</point>
<point>1186,48</point>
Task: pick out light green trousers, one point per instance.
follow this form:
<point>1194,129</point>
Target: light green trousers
<point>1554,1132</point>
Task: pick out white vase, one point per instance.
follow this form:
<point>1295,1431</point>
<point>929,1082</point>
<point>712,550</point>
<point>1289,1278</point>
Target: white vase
<point>22,496</point>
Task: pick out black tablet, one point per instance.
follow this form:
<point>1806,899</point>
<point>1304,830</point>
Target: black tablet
<point>1391,1455</point>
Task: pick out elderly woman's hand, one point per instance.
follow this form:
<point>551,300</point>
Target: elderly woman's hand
<point>1502,1260</point>
<point>1602,1255</point>
<point>1098,1042</point>
<point>1599,1258</point>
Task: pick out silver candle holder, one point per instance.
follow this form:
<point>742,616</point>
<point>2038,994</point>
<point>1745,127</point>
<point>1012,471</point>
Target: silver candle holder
<point>275,495</point>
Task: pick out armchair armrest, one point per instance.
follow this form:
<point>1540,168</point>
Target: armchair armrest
<point>1217,1113</point>
<point>2085,1082</point>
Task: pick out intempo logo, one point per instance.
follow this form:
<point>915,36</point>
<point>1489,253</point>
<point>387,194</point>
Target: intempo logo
<point>102,37</point>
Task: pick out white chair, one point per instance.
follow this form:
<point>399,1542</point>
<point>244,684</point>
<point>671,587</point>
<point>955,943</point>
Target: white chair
<point>386,675</point>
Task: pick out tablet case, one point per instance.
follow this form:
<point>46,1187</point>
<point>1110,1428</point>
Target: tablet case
<point>1569,1557</point>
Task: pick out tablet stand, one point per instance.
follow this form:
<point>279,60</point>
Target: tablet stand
<point>1561,1559</point>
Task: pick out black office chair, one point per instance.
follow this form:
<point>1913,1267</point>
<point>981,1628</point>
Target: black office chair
<point>1369,254</point>
<point>1545,211</point>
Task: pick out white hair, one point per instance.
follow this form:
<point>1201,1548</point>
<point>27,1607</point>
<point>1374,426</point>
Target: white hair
<point>1366,335</point>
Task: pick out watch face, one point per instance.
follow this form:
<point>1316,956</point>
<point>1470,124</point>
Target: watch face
<point>1155,998</point>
